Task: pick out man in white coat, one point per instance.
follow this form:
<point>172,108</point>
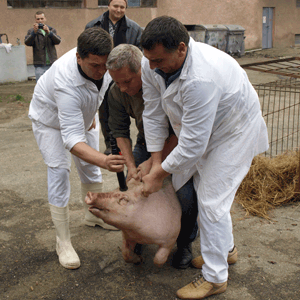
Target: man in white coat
<point>64,122</point>
<point>215,113</point>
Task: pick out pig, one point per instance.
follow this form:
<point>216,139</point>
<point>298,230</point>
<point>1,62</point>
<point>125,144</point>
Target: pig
<point>152,220</point>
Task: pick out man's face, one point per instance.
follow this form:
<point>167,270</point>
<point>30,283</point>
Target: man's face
<point>40,19</point>
<point>116,10</point>
<point>128,81</point>
<point>93,66</point>
<point>168,62</point>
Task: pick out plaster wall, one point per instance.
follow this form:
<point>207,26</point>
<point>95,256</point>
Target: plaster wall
<point>69,23</point>
<point>247,13</point>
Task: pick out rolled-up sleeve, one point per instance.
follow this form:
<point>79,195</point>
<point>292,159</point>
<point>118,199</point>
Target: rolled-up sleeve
<point>70,117</point>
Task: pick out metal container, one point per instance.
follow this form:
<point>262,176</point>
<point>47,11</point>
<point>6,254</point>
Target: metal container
<point>235,40</point>
<point>214,35</point>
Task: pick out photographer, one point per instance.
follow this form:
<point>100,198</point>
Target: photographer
<point>42,38</point>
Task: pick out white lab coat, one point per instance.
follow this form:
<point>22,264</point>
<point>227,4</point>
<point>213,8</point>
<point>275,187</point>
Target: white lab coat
<point>215,113</point>
<point>66,101</point>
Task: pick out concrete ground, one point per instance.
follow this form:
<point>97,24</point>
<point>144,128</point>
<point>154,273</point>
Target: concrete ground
<point>268,266</point>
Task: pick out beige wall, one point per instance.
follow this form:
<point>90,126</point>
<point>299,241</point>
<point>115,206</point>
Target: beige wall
<point>69,23</point>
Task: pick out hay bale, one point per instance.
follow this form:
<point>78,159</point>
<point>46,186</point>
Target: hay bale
<point>270,182</point>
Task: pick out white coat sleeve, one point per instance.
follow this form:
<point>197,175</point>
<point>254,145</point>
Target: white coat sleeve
<point>70,116</point>
<point>155,120</point>
<point>199,100</point>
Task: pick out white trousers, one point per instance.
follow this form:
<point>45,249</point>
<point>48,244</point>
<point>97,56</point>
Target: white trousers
<point>216,240</point>
<point>58,160</point>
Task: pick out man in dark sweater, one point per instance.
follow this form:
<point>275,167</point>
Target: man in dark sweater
<point>125,100</point>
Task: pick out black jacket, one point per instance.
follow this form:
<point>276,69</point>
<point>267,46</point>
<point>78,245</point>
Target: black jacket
<point>38,42</point>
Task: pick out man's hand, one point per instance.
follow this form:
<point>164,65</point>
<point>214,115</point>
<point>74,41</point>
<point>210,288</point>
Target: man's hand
<point>133,173</point>
<point>144,168</point>
<point>46,28</point>
<point>153,182</point>
<point>114,163</point>
<point>35,27</point>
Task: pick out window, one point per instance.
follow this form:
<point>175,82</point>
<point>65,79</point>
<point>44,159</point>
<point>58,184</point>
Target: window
<point>297,39</point>
<point>297,3</point>
<point>44,3</point>
<point>133,3</point>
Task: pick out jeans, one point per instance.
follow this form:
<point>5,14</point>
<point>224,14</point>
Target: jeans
<point>40,70</point>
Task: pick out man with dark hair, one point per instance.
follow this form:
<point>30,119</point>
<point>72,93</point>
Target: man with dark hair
<point>42,38</point>
<point>215,113</point>
<point>123,31</point>
<point>125,100</point>
<point>64,118</point>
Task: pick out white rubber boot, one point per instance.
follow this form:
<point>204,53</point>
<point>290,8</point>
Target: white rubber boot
<point>89,218</point>
<point>68,258</point>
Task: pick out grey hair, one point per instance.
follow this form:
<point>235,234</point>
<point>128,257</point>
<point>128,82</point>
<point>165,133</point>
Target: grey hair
<point>125,55</point>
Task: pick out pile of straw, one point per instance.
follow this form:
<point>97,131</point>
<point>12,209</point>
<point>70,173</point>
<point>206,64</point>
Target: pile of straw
<point>271,182</point>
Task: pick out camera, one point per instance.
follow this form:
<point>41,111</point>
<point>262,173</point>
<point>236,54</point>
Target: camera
<point>41,25</point>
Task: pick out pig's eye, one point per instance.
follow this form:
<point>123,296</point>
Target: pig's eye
<point>123,201</point>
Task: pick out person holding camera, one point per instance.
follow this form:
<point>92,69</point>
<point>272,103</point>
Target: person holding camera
<point>42,38</point>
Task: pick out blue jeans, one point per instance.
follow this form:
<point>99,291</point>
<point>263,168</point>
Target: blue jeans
<point>187,197</point>
<point>40,70</point>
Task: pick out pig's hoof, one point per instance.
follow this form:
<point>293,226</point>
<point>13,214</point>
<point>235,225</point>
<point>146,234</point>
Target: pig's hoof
<point>138,261</point>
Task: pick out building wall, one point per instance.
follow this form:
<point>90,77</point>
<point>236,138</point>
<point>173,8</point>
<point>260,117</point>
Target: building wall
<point>69,23</point>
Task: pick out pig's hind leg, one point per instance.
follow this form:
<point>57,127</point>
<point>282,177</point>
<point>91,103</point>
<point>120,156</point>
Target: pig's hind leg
<point>128,252</point>
<point>161,255</point>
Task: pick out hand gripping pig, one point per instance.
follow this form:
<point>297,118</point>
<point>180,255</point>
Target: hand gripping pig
<point>152,220</point>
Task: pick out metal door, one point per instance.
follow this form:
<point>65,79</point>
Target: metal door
<point>267,34</point>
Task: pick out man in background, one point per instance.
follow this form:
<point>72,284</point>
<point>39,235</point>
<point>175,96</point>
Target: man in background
<point>123,31</point>
<point>42,38</point>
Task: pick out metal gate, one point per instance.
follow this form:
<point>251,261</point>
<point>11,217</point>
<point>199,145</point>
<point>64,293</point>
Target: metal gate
<point>267,34</point>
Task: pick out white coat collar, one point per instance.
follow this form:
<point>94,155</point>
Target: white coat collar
<point>186,66</point>
<point>79,80</point>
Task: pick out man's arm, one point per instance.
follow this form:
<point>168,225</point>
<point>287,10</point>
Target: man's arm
<point>126,149</point>
<point>153,182</point>
<point>145,167</point>
<point>29,38</point>
<point>53,36</point>
<point>113,163</point>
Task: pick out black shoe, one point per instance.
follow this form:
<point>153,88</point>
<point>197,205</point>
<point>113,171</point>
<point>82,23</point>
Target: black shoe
<point>107,151</point>
<point>182,258</point>
<point>138,249</point>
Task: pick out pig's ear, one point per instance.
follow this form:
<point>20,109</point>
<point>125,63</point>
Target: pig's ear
<point>123,200</point>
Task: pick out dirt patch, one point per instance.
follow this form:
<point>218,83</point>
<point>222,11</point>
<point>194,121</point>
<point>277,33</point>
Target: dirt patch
<point>15,99</point>
<point>29,268</point>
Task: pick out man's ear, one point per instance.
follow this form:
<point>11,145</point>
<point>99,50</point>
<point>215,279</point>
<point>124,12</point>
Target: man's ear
<point>182,48</point>
<point>78,58</point>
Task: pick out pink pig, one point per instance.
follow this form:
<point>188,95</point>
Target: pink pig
<point>152,220</point>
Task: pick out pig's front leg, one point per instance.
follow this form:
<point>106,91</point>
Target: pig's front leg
<point>161,255</point>
<point>128,251</point>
